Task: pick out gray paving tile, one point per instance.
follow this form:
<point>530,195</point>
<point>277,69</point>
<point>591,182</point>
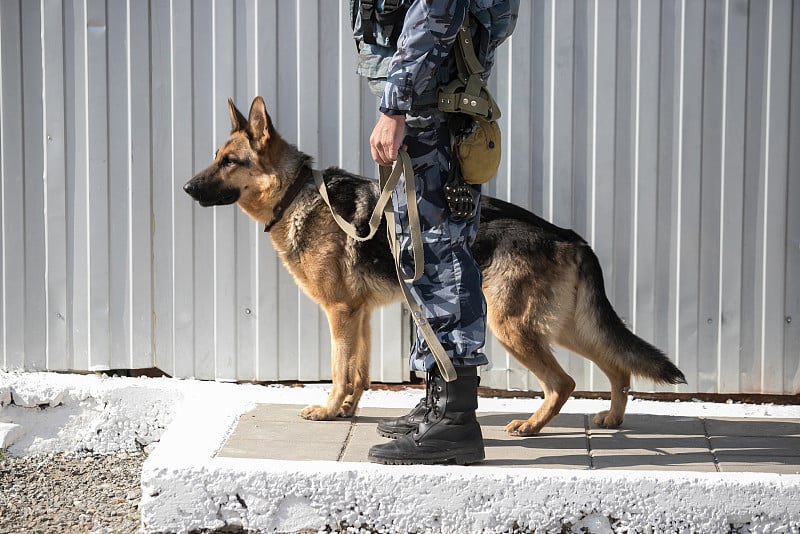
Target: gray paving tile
<point>534,452</point>
<point>659,435</point>
<point>756,446</point>
<point>364,434</point>
<point>280,449</point>
<point>362,438</point>
<point>638,459</point>
<point>628,450</point>
<point>560,445</point>
<point>275,412</point>
<point>300,430</point>
<point>650,424</point>
<point>652,442</point>
<point>623,441</point>
<point>269,431</point>
<point>733,463</point>
<point>753,427</point>
<point>572,424</point>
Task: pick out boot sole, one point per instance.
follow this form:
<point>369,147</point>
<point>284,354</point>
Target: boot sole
<point>456,457</point>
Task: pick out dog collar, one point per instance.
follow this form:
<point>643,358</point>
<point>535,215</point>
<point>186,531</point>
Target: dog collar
<point>288,197</point>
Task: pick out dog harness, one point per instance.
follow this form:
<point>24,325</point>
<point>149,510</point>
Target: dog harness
<point>388,180</point>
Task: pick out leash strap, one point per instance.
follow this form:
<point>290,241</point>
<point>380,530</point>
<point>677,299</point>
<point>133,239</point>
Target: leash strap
<point>439,354</point>
<point>388,180</point>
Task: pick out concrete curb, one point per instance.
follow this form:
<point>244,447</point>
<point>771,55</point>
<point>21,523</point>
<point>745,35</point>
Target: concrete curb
<point>185,488</point>
<point>288,497</point>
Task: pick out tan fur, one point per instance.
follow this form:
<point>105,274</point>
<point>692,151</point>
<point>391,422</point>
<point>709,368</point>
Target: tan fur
<point>530,305</point>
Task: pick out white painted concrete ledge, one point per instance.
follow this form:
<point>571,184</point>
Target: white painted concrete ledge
<point>185,487</point>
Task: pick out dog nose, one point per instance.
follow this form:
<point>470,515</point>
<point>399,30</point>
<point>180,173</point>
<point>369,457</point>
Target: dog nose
<point>190,187</point>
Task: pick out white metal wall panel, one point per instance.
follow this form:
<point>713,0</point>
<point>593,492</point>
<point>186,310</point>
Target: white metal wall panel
<point>660,131</point>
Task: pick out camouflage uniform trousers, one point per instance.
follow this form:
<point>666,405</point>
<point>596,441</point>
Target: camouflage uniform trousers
<point>449,291</point>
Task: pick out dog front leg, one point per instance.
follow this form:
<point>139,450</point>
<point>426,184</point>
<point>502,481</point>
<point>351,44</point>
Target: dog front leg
<point>358,365</point>
<point>345,326</point>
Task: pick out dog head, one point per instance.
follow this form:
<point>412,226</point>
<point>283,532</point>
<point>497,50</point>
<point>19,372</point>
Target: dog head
<point>242,170</point>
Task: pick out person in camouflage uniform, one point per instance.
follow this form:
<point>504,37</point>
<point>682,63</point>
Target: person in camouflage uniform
<point>406,74</point>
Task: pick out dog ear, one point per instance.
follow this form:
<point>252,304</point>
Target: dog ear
<point>259,125</point>
<point>238,122</point>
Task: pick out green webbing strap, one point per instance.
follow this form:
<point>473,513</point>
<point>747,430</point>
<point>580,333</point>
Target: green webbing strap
<point>468,92</point>
<point>469,60</point>
<point>388,181</point>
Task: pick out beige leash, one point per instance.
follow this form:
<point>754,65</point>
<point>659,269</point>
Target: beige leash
<point>388,180</point>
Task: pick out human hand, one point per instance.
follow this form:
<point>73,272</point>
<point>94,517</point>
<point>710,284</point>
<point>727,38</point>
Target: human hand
<point>386,137</point>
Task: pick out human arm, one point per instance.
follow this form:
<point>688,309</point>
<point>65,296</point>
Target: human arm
<point>429,31</point>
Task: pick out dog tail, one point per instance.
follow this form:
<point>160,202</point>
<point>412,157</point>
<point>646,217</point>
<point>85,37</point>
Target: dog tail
<point>600,327</point>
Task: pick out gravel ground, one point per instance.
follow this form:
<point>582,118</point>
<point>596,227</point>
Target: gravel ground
<point>70,493</point>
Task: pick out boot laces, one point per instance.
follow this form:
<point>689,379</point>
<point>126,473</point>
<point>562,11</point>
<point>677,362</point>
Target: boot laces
<point>433,406</point>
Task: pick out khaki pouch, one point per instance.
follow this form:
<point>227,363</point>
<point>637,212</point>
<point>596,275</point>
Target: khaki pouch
<point>479,152</point>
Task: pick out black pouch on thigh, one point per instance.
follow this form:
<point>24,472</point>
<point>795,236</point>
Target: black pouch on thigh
<point>457,191</point>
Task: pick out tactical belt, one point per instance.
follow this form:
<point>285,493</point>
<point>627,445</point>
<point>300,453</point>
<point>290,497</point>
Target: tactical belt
<point>388,181</point>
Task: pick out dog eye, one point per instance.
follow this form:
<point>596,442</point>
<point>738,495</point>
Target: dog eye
<point>226,162</point>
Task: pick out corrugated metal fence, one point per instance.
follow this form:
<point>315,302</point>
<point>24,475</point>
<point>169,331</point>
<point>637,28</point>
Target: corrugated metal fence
<point>661,131</point>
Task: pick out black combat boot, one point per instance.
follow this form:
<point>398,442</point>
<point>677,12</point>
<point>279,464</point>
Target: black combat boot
<point>448,432</point>
<point>400,426</point>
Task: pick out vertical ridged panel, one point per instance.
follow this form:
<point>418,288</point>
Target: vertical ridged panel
<point>12,191</point>
<point>662,132</point>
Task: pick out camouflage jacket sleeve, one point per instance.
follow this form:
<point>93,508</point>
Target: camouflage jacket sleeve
<point>429,31</point>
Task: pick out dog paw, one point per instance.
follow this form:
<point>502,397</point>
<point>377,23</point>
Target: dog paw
<point>316,413</point>
<point>347,410</point>
<point>522,427</point>
<point>606,420</point>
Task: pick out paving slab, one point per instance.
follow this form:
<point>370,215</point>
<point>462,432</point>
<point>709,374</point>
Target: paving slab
<point>653,443</point>
<point>756,446</point>
<point>724,426</point>
<point>276,432</point>
<point>561,445</point>
<point>732,463</point>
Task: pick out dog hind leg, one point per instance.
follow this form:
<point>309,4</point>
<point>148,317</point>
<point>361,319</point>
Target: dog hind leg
<point>534,352</point>
<point>620,385</point>
<point>619,378</point>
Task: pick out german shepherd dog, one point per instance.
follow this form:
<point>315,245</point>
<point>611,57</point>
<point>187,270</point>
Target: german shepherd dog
<point>543,284</point>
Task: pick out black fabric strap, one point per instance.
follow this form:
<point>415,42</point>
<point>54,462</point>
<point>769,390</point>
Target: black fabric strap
<point>288,197</point>
<point>367,21</point>
<point>392,15</point>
